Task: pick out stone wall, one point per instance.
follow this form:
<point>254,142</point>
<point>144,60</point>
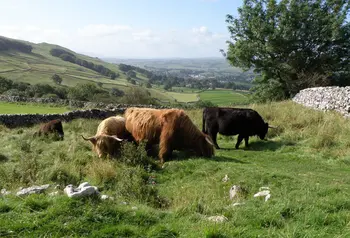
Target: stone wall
<point>24,120</point>
<point>60,102</point>
<point>326,98</point>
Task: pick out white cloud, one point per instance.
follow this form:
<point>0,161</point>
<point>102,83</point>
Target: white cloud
<point>126,41</point>
<point>102,30</point>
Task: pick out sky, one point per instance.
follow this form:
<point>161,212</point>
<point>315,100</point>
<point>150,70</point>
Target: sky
<point>122,28</point>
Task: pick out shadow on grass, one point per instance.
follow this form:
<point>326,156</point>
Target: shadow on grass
<point>181,156</point>
<point>261,146</point>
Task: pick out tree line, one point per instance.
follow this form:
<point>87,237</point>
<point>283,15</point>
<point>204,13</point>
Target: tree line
<point>7,44</point>
<point>291,45</point>
<point>70,57</point>
<point>81,92</point>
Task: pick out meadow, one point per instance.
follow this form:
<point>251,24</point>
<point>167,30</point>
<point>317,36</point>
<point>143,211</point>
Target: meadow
<point>305,162</point>
<point>224,97</point>
<point>28,108</point>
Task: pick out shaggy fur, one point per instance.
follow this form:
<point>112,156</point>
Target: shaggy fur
<point>172,129</point>
<point>51,127</point>
<point>107,140</point>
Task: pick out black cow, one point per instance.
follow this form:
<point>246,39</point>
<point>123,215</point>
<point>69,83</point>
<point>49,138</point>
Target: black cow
<point>233,121</point>
<point>54,126</point>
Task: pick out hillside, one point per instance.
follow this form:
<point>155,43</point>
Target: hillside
<point>23,61</point>
<point>206,64</point>
<point>39,65</point>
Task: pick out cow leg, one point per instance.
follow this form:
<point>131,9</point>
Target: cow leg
<point>239,140</point>
<point>165,148</point>
<point>246,140</point>
<point>213,137</point>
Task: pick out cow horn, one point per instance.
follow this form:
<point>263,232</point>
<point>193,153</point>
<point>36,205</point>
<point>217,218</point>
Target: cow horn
<point>116,138</point>
<point>274,127</point>
<point>90,138</point>
<point>209,141</point>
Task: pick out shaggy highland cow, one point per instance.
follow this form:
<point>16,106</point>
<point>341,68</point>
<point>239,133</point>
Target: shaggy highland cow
<point>172,129</point>
<point>51,127</point>
<point>109,135</point>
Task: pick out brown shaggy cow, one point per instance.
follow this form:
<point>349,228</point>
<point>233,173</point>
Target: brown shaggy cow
<point>110,132</point>
<point>172,129</point>
<point>51,127</point>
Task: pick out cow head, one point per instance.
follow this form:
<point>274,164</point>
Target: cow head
<point>263,131</point>
<point>206,146</point>
<point>104,144</point>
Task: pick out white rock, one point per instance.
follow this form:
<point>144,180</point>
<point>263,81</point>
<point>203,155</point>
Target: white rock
<point>234,190</point>
<point>226,178</point>
<point>262,193</point>
<point>83,190</point>
<point>32,190</point>
<point>134,208</point>
<point>237,204</point>
<point>104,196</point>
<point>53,193</point>
<point>220,219</point>
<point>5,192</point>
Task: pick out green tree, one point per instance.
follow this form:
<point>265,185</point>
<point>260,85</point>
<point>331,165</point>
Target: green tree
<point>114,75</point>
<point>148,85</point>
<point>131,74</point>
<point>56,78</point>
<point>137,95</point>
<point>293,44</point>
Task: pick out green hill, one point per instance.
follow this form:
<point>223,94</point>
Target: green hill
<point>38,65</point>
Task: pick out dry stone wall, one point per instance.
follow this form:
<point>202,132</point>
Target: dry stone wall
<point>326,98</point>
<point>24,120</point>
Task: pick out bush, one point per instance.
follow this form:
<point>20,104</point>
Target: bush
<point>136,95</point>
<point>202,104</point>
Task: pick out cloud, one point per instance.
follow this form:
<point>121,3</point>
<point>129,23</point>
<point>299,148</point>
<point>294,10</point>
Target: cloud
<point>126,41</point>
<point>102,30</point>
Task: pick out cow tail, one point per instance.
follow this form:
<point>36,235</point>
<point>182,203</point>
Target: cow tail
<point>203,122</point>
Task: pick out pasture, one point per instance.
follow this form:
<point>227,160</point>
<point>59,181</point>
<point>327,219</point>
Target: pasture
<point>223,97</point>
<point>30,108</point>
<point>305,163</point>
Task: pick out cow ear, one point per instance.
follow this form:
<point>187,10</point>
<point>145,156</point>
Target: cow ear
<point>209,140</point>
<point>116,138</point>
<point>92,139</point>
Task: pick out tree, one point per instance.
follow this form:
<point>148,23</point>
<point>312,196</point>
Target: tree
<point>167,85</point>
<point>293,44</point>
<point>116,92</point>
<point>148,85</point>
<point>100,84</point>
<point>57,79</point>
<point>131,74</point>
<point>136,95</point>
<point>132,81</point>
<point>114,75</point>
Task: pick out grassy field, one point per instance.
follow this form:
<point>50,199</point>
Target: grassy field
<point>223,97</point>
<point>184,97</point>
<point>305,163</point>
<point>24,108</point>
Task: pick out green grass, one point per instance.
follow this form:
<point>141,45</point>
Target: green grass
<point>28,108</point>
<point>184,97</point>
<point>305,162</point>
<point>223,97</point>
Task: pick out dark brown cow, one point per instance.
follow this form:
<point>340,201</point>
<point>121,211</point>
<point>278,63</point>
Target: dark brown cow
<point>51,127</point>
